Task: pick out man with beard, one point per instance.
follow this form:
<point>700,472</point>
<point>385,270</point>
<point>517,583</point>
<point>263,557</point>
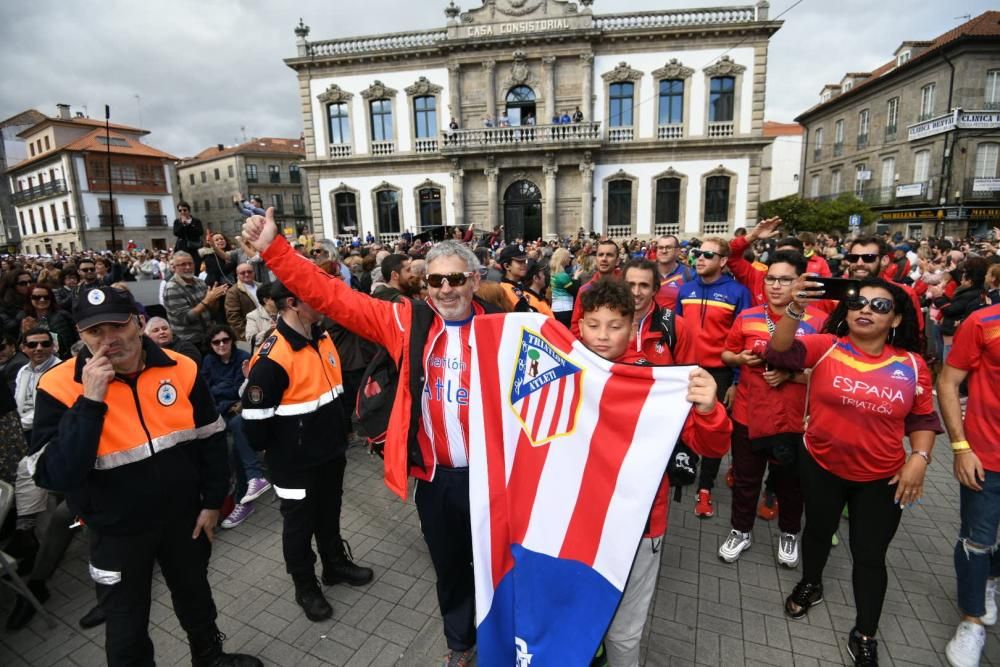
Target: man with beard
<point>607,266</point>
<point>399,281</point>
<point>868,257</point>
<point>189,302</point>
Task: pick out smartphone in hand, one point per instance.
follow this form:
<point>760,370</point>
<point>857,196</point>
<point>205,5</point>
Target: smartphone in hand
<point>839,289</point>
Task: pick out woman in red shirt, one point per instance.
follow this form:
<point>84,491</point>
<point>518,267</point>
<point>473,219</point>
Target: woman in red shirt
<point>868,388</point>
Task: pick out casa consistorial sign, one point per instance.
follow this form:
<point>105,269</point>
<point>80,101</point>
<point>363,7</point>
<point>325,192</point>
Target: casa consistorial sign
<point>498,18</point>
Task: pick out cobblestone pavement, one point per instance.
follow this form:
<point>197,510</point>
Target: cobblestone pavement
<point>705,612</point>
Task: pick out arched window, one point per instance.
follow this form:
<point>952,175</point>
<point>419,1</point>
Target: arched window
<point>387,211</point>
<point>345,213</point>
<point>621,102</point>
<point>620,203</point>
<point>668,201</point>
<point>430,207</point>
<point>521,106</point>
<point>425,116</point>
<point>717,199</point>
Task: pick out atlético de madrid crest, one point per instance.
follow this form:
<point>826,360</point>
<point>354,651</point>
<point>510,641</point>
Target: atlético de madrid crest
<point>545,390</point>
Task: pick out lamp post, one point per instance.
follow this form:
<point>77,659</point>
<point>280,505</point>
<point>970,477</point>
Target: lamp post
<point>111,199</point>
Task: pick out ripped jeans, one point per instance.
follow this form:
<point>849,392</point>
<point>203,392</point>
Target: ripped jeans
<point>976,554</point>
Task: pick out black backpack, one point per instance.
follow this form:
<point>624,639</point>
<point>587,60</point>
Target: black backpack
<point>375,398</point>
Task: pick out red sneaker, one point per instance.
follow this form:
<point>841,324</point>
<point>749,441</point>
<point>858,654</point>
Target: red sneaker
<point>703,506</point>
<point>768,507</point>
<point>730,479</point>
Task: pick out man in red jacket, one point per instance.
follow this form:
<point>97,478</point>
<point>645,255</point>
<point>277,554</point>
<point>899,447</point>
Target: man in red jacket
<point>606,260</point>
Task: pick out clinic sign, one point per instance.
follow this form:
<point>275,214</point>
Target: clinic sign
<point>957,119</point>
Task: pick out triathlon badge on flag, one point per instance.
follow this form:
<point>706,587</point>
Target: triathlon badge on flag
<point>545,390</point>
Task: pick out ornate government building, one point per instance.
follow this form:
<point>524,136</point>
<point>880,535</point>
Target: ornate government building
<point>541,116</point>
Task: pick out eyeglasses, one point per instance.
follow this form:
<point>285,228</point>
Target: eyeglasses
<point>867,258</point>
<point>23,283</point>
<point>435,280</point>
<point>707,254</point>
<point>40,297</point>
<point>784,281</point>
<point>86,269</point>
<point>32,344</point>
<point>222,341</point>
<point>666,247</point>
<point>879,304</point>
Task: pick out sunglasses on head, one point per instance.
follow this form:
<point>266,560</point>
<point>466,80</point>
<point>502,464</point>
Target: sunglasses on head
<point>32,344</point>
<point>454,279</point>
<point>879,304</point>
<point>707,254</point>
<point>221,341</point>
<point>867,258</point>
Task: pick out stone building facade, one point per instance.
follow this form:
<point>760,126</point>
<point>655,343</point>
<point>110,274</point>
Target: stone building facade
<point>667,139</point>
<point>268,168</point>
<point>918,138</point>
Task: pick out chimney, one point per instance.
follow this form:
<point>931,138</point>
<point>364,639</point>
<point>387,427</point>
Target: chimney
<point>220,147</point>
<point>63,111</point>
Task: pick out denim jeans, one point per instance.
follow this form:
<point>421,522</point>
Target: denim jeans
<point>246,465</point>
<point>976,557</point>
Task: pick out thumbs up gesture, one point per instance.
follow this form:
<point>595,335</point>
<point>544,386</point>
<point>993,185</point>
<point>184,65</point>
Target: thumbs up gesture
<point>260,231</point>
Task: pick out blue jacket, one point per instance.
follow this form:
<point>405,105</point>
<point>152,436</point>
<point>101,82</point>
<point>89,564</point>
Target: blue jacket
<point>224,380</point>
<point>710,310</point>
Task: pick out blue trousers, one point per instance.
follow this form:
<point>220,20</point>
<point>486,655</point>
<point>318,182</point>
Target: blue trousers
<point>976,557</point>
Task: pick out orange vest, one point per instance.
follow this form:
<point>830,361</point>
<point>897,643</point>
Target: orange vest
<point>154,416</point>
<point>314,375</point>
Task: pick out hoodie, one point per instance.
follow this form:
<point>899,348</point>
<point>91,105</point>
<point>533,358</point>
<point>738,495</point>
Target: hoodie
<point>709,310</point>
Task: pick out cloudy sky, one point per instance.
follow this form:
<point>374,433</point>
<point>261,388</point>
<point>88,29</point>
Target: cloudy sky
<point>204,69</point>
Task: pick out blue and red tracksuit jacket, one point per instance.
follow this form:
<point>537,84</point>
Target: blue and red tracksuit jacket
<point>709,310</point>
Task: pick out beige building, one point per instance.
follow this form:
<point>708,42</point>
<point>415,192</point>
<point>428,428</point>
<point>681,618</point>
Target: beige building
<point>267,168</point>
<point>918,137</point>
<point>668,133</point>
<point>66,200</point>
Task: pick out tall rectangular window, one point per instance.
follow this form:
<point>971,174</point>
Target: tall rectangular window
<point>217,175</point>
<point>346,208</point>
<point>864,123</point>
<point>274,173</point>
<point>381,112</point>
<point>892,116</point>
<point>425,116</point>
<point>294,174</point>
<point>835,182</point>
<point>430,207</point>
<point>717,199</point>
<point>671,102</point>
<point>722,99</point>
<point>278,202</point>
<point>387,205</point>
<point>251,173</point>
<point>921,166</point>
<point>621,104</point>
<point>204,176</point>
<point>861,177</point>
<point>927,101</point>
<point>338,123</point>
<point>191,175</point>
<point>814,186</point>
<point>297,207</point>
<point>888,171</point>
<point>620,203</point>
<point>838,132</point>
<point>986,160</point>
<point>232,172</point>
<point>992,93</point>
<point>668,201</point>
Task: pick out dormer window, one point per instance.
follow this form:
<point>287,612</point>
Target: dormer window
<point>848,85</point>
<point>825,97</point>
<point>903,57</point>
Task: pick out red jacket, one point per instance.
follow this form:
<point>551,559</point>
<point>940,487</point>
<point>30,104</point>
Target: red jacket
<point>750,276</point>
<point>818,265</point>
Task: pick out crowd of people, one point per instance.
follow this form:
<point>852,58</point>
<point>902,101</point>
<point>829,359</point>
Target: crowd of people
<point>271,347</point>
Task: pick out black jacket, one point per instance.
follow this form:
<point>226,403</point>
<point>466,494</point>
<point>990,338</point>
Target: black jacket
<point>190,237</point>
<point>175,482</point>
<point>964,302</point>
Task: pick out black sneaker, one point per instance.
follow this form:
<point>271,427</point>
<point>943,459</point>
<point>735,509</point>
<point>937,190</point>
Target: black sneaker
<point>863,650</point>
<point>803,597</point>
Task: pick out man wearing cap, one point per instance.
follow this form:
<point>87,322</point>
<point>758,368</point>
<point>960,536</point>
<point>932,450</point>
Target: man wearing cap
<point>129,433</point>
<point>513,261</point>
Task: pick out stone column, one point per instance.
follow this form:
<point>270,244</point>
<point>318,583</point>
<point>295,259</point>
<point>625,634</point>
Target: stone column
<point>492,197</point>
<point>490,67</point>
<point>549,81</point>
<point>458,192</point>
<point>549,211</point>
<point>587,196</point>
<point>587,65</point>
<point>454,94</point>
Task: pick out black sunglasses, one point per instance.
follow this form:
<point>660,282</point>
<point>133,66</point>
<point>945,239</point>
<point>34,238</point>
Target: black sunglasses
<point>879,304</point>
<point>867,258</point>
<point>32,344</point>
<point>40,297</point>
<point>707,254</point>
<point>435,280</point>
<point>220,341</point>
<point>22,283</point>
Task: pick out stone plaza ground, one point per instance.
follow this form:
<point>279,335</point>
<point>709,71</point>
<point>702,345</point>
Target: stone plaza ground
<point>705,612</point>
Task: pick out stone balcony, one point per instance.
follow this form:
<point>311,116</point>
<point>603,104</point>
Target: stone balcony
<point>586,134</point>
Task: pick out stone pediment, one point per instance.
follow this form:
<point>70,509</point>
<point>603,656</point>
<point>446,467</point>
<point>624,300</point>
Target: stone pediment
<point>335,94</point>
<point>378,91</point>
<point>498,18</point>
<point>622,72</point>
<point>724,67</point>
<point>674,69</point>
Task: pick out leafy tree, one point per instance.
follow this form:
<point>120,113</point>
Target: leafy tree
<point>815,215</point>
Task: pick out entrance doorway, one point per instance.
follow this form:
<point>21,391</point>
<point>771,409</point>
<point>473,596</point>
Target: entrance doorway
<point>522,212</point>
<point>521,106</point>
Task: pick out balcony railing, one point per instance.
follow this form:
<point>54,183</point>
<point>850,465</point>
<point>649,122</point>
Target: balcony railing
<point>399,41</point>
<point>887,195</point>
<point>252,178</point>
<point>107,220</point>
<point>715,228</point>
<point>47,189</point>
<point>838,149</point>
<point>525,135</point>
<point>156,220</point>
<point>295,177</point>
<point>717,130</point>
<point>982,188</point>
<point>620,231</point>
<point>383,147</point>
<point>340,150</point>
<point>674,18</point>
<point>862,140</point>
<point>927,115</point>
<point>427,146</point>
<point>890,133</point>
<point>667,229</point>
<point>670,131</point>
<point>274,177</point>
<point>298,210</point>
<point>620,135</point>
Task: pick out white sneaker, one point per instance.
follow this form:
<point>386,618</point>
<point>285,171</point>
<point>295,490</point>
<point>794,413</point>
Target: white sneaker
<point>990,617</point>
<point>734,545</point>
<point>966,647</point>
<point>788,550</point>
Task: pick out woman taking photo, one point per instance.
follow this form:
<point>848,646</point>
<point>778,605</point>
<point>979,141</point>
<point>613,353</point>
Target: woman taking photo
<point>41,310</point>
<point>866,371</point>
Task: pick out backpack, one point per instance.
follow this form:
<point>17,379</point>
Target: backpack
<point>376,396</point>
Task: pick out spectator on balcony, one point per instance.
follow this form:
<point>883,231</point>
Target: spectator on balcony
<point>188,230</point>
<point>529,119</point>
<point>504,119</point>
<point>487,120</point>
<point>453,125</point>
<point>565,119</point>
<point>556,118</point>
<point>578,116</point>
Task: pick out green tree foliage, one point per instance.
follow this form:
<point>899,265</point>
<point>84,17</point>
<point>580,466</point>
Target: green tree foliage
<point>815,215</point>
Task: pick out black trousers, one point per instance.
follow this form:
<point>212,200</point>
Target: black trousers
<point>317,514</point>
<point>122,566</point>
<point>443,507</point>
<point>874,518</point>
<point>710,467</point>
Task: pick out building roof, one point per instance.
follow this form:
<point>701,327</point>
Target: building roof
<point>985,25</point>
<point>77,121</point>
<point>28,117</point>
<point>773,129</point>
<point>94,141</point>
<point>262,146</point>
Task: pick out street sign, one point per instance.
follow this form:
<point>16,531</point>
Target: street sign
<point>855,220</point>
